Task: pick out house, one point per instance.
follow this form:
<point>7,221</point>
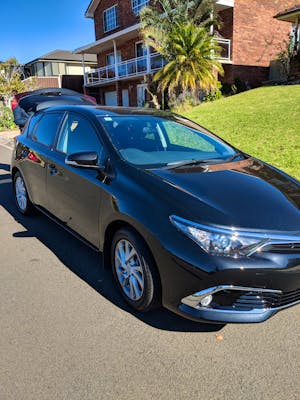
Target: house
<point>249,37</point>
<point>59,68</point>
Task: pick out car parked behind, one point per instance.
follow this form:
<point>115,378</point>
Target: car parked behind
<point>25,104</point>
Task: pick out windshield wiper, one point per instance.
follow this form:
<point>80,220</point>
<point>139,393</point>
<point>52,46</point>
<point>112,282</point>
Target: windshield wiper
<point>176,164</point>
<point>235,156</point>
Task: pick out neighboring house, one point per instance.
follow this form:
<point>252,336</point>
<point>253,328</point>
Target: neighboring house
<point>292,16</point>
<point>59,68</point>
<point>249,36</point>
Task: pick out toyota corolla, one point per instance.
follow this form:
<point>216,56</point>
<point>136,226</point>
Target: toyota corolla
<point>184,219</point>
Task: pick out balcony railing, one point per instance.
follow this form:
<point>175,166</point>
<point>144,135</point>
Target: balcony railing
<point>139,66</point>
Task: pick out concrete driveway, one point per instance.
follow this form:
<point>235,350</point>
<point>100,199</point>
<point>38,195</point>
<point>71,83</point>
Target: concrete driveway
<point>66,334</point>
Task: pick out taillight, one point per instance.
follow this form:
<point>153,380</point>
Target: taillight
<point>14,103</point>
<point>90,98</point>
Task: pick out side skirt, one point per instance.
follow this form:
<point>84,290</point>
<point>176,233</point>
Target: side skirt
<point>68,229</point>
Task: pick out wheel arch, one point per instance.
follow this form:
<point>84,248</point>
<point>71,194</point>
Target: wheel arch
<point>14,171</point>
<point>111,230</point>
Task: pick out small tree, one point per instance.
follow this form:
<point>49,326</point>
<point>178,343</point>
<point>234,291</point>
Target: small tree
<point>10,79</point>
<point>191,66</point>
<point>286,56</point>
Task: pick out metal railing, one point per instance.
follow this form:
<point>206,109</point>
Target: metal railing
<point>139,66</point>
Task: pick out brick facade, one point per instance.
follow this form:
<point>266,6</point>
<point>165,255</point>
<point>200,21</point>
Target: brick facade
<point>126,17</point>
<point>256,34</point>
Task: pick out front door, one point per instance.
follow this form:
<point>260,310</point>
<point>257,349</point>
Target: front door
<point>75,193</point>
<point>141,94</point>
<point>125,98</point>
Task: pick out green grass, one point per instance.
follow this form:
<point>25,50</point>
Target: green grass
<point>263,122</point>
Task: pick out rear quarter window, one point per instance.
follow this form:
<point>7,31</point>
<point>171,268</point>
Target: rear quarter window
<point>47,128</point>
<point>31,124</point>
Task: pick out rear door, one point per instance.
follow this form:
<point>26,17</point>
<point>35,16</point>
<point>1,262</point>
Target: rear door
<point>42,130</point>
<point>74,194</point>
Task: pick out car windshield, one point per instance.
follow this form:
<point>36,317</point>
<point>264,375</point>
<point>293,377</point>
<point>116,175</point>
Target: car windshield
<point>154,141</point>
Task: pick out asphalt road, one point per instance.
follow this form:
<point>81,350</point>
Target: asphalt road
<point>66,334</point>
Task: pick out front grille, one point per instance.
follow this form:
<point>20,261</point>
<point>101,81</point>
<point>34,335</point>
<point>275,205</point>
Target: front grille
<point>251,300</point>
<point>285,248</point>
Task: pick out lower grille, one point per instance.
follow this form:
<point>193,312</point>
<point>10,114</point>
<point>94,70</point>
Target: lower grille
<point>251,300</point>
<point>285,248</point>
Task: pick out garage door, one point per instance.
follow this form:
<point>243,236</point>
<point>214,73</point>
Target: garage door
<point>111,99</point>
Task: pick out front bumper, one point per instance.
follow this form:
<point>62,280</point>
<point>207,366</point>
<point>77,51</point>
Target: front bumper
<point>267,283</point>
<point>244,304</point>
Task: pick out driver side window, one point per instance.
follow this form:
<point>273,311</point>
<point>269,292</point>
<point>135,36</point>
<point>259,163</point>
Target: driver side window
<point>77,135</point>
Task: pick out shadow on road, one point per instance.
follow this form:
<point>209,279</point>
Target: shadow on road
<point>87,264</point>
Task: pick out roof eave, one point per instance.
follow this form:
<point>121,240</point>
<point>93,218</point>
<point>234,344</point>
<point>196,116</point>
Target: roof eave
<point>91,8</point>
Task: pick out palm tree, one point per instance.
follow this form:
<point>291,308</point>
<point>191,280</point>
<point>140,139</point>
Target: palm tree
<point>191,65</point>
<point>179,31</point>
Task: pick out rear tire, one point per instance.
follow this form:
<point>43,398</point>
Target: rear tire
<point>134,270</point>
<point>23,203</point>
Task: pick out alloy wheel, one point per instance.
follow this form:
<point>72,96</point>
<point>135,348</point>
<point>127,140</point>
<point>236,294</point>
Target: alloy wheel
<point>21,195</point>
<point>129,270</point>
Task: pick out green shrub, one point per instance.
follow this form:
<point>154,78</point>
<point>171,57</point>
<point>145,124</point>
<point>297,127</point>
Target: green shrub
<point>6,119</point>
<point>228,89</point>
<point>214,94</point>
<point>183,102</point>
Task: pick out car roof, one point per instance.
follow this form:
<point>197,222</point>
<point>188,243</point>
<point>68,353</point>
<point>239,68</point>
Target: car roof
<point>112,110</point>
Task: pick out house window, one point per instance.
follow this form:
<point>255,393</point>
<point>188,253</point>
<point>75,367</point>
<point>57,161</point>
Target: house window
<point>110,18</point>
<point>138,4</point>
<point>140,49</point>
<point>110,58</point>
<point>39,67</point>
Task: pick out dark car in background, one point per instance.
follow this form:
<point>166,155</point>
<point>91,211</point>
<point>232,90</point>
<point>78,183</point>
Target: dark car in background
<point>184,219</point>
<point>25,104</point>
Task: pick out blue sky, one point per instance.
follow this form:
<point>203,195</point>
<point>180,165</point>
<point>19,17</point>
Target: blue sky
<point>31,28</point>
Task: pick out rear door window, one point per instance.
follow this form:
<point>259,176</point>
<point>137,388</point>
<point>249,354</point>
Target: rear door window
<point>47,128</point>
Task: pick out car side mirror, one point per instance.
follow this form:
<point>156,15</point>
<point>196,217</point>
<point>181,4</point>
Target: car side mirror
<point>85,159</point>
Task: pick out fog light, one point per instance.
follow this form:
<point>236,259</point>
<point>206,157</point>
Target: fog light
<point>206,300</point>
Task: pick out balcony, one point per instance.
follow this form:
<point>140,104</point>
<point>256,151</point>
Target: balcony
<point>140,66</point>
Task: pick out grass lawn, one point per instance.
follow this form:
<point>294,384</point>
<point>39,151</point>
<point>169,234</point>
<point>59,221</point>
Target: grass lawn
<point>263,122</point>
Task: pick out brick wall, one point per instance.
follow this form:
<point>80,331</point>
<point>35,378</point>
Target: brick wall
<point>126,16</point>
<point>256,34</point>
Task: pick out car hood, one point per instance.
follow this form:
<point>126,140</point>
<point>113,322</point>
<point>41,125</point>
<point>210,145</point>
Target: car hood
<point>247,194</point>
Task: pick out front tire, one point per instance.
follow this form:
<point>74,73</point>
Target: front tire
<point>23,203</point>
<point>134,270</point>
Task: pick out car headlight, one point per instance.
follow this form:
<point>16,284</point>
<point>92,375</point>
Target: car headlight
<point>220,241</point>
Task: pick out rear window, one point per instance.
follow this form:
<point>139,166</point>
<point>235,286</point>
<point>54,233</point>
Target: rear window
<point>47,128</point>
<point>30,103</point>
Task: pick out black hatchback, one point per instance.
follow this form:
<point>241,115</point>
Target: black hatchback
<point>184,219</point>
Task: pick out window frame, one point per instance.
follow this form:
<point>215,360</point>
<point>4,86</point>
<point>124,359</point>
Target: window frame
<point>40,117</point>
<point>105,29</point>
<point>138,6</point>
<point>67,113</point>
<point>140,42</point>
<point>119,58</point>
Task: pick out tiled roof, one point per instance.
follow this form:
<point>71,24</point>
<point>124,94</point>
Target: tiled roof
<point>65,55</point>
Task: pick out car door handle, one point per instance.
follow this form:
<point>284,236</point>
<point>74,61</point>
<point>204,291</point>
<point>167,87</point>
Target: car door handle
<point>52,169</point>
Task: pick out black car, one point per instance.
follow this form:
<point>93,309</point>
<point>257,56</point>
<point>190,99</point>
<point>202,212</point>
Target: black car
<point>184,219</point>
<point>26,103</point>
